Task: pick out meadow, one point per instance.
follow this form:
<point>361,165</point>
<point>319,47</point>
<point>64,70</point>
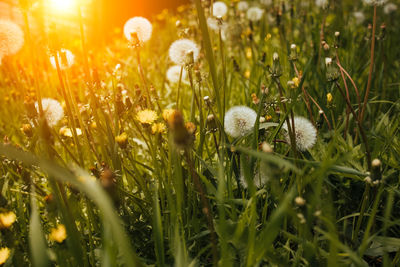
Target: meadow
<point>223,133</point>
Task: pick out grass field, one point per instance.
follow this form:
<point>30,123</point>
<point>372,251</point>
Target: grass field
<point>251,133</point>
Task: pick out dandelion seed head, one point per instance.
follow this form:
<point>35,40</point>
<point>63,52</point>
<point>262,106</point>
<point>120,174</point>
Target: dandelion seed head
<point>242,6</point>
<point>239,120</point>
<point>11,38</point>
<point>389,8</point>
<point>65,58</point>
<point>321,3</point>
<point>359,17</point>
<point>52,110</point>
<point>305,133</point>
<point>219,9</point>
<point>260,176</point>
<point>179,50</point>
<point>374,2</point>
<point>174,72</point>
<point>254,13</point>
<point>139,25</point>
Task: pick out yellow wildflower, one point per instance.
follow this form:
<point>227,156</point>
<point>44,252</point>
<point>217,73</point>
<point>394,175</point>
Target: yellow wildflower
<point>4,255</point>
<point>58,234</point>
<point>146,116</point>
<point>267,37</point>
<point>7,219</point>
<point>296,81</point>
<point>122,140</point>
<point>167,113</point>
<point>268,118</point>
<point>329,98</point>
<point>67,132</point>
<point>158,128</point>
<point>248,53</point>
<point>247,74</point>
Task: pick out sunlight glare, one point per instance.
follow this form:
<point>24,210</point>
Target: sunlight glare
<point>62,5</point>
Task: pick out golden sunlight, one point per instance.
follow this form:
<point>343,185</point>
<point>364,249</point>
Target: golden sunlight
<point>62,5</point>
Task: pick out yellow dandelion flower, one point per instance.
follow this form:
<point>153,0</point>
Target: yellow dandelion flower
<point>268,118</point>
<point>167,113</point>
<point>58,234</point>
<point>267,37</point>
<point>329,98</point>
<point>67,132</point>
<point>248,53</point>
<point>158,128</point>
<point>296,81</point>
<point>122,140</point>
<point>247,74</point>
<point>4,255</point>
<point>146,116</point>
<point>7,219</point>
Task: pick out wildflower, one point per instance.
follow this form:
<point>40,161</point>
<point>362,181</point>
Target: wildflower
<point>67,132</point>
<point>255,99</point>
<point>268,118</point>
<point>7,219</point>
<point>389,8</point>
<point>247,74</point>
<point>139,26</point>
<point>174,72</point>
<point>219,9</point>
<point>11,38</point>
<point>180,49</point>
<point>329,98</point>
<point>146,116</point>
<point>305,133</point>
<point>254,13</point>
<point>321,3</point>
<point>242,6</point>
<point>296,82</point>
<point>4,255</point>
<point>58,234</point>
<point>167,113</point>
<point>239,120</point>
<point>249,53</point>
<point>158,128</point>
<point>301,218</point>
<point>52,109</point>
<point>122,140</point>
<point>65,59</point>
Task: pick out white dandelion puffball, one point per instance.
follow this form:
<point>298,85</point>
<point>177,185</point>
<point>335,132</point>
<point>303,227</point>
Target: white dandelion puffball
<point>359,17</point>
<point>260,178</point>
<point>242,6</point>
<point>65,58</point>
<point>239,120</point>
<point>219,9</point>
<point>52,110</point>
<point>305,132</point>
<point>174,72</point>
<point>216,25</point>
<point>254,13</point>
<point>374,2</point>
<point>389,8</point>
<point>179,50</point>
<point>11,38</point>
<point>321,3</point>
<point>139,25</point>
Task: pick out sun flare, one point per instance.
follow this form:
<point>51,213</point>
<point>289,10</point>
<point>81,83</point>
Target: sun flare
<point>62,5</point>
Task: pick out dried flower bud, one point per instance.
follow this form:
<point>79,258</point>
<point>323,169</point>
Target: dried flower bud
<point>300,201</point>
